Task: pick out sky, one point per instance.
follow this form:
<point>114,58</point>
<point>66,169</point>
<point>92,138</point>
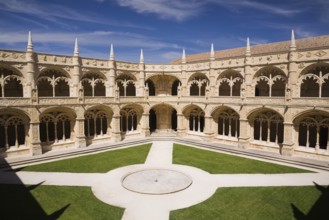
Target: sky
<point>162,28</point>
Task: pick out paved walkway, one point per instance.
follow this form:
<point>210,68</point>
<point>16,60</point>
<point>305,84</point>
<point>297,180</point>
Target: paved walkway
<point>108,187</point>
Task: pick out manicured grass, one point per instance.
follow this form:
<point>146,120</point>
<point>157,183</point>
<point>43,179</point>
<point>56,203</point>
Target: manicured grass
<point>217,163</point>
<point>96,163</point>
<point>260,203</point>
<point>54,202</point>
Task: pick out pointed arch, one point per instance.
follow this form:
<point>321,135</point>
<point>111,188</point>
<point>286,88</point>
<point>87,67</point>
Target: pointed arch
<point>270,81</point>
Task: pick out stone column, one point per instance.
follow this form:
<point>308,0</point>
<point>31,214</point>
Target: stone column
<point>79,128</point>
<point>208,128</point>
<point>141,89</point>
<point>30,74</point>
<point>110,84</point>
<point>244,132</point>
<point>75,77</point>
<point>34,133</point>
<point>288,142</point>
<point>145,125</point>
<point>116,133</point>
<point>180,125</point>
<point>212,78</point>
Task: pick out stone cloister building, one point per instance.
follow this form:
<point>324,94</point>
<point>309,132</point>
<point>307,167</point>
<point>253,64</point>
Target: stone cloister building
<point>273,97</point>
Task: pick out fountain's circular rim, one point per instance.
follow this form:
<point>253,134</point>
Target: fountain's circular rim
<point>161,192</point>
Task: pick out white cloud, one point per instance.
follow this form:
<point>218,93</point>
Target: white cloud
<point>180,10</point>
<point>57,13</point>
<point>96,38</point>
<point>177,9</point>
<point>171,55</point>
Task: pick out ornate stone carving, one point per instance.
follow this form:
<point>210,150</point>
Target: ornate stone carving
<point>320,53</point>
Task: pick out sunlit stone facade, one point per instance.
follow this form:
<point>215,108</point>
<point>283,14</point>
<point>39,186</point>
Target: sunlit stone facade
<point>273,97</point>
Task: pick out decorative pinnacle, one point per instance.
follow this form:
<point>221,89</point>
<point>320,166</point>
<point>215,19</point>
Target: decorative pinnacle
<point>183,56</point>
<point>141,59</point>
<point>111,53</point>
<point>293,42</point>
<point>29,43</point>
<point>212,52</point>
<point>76,49</point>
<point>248,51</point>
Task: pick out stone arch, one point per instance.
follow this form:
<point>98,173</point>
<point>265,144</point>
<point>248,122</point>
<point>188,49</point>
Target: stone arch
<point>130,117</point>
<point>163,118</point>
<point>196,117</point>
<point>229,83</point>
<point>313,129</point>
<point>314,80</point>
<point>126,83</point>
<point>56,125</point>
<point>93,84</point>
<point>270,81</point>
<point>97,121</point>
<point>163,84</point>
<point>14,128</point>
<point>11,82</point>
<point>151,87</point>
<point>53,82</point>
<point>227,120</point>
<point>197,84</point>
<point>267,126</point>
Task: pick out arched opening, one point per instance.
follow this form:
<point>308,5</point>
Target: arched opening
<point>313,81</point>
<point>229,82</point>
<point>129,120</point>
<point>13,87</point>
<point>196,119</point>
<point>126,85</point>
<point>10,83</point>
<point>93,84</point>
<point>262,88</point>
<point>270,81</point>
<point>228,123</point>
<point>194,90</point>
<point>62,88</point>
<point>52,83</point>
<point>198,83</point>
<point>174,87</point>
<point>96,123</point>
<point>309,87</point>
<point>55,126</point>
<point>151,87</point>
<point>163,118</point>
<point>13,130</point>
<point>313,131</point>
<point>152,120</point>
<point>224,88</point>
<point>268,127</point>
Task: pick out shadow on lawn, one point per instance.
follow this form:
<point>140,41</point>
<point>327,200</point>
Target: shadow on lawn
<point>319,209</point>
<point>17,202</point>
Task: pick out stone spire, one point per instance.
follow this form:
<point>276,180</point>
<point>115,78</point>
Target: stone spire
<point>212,52</point>
<point>183,56</point>
<point>111,53</point>
<point>248,51</point>
<point>293,42</point>
<point>76,49</point>
<point>29,43</point>
<point>141,58</point>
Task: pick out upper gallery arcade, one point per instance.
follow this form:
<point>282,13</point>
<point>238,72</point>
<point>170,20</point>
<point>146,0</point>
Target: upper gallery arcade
<point>273,97</point>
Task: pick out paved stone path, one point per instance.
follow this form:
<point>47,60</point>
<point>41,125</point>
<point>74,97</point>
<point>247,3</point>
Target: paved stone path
<point>108,187</point>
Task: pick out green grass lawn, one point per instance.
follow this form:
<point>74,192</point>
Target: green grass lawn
<point>217,163</point>
<point>260,203</point>
<point>54,202</point>
<point>96,163</point>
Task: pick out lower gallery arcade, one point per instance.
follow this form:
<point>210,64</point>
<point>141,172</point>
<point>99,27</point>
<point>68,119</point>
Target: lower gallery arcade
<point>274,100</point>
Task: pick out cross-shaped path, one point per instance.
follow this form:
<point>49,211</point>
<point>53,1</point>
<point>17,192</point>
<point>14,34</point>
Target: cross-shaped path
<point>109,188</point>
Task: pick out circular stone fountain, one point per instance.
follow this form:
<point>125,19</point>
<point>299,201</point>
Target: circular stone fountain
<point>156,181</point>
